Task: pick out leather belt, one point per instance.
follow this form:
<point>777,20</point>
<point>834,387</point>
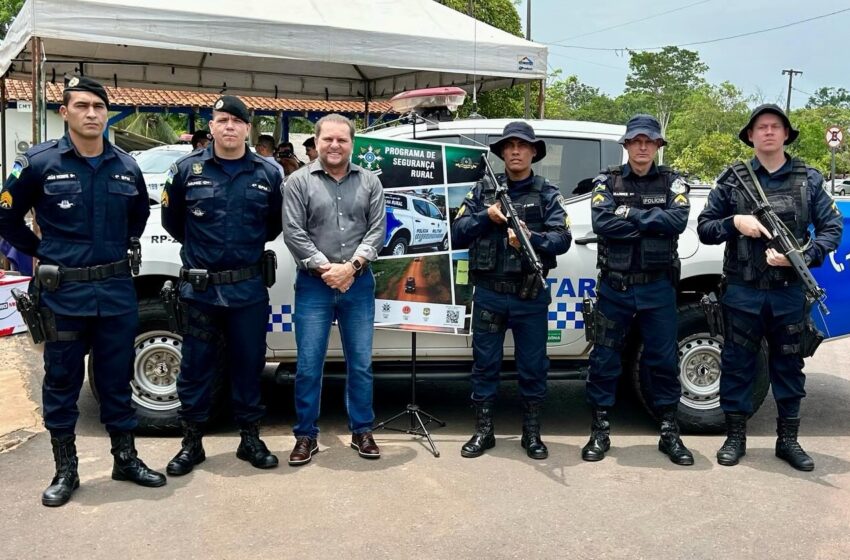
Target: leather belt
<point>621,281</point>
<point>99,272</point>
<point>227,276</point>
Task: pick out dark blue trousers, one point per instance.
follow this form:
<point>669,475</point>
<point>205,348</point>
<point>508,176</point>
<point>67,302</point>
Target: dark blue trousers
<point>528,321</point>
<point>658,327</point>
<point>110,341</point>
<point>236,335</point>
<point>776,309</point>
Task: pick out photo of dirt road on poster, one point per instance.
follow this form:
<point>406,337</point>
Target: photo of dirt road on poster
<point>423,279</point>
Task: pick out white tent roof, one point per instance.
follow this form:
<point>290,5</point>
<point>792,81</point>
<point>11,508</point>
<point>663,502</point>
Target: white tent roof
<point>295,48</point>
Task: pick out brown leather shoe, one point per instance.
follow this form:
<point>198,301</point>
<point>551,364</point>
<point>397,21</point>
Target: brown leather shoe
<point>302,453</point>
<point>365,445</point>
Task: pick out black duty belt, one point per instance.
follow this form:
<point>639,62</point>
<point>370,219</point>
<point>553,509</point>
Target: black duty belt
<point>621,281</point>
<point>99,272</point>
<point>224,276</point>
<point>499,286</point>
<point>764,283</point>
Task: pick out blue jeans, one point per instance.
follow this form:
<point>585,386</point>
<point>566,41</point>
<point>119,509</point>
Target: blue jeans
<point>316,307</point>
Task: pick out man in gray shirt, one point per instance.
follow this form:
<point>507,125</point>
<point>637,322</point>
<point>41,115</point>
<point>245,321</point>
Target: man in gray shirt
<point>334,224</point>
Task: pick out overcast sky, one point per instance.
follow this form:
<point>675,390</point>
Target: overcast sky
<point>753,63</point>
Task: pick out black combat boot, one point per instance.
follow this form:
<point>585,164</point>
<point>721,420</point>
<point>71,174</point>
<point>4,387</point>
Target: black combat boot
<point>192,451</point>
<point>66,480</point>
<point>128,466</point>
<point>484,438</point>
<point>600,430</point>
<point>252,448</point>
<point>531,442</point>
<point>670,443</point>
<point>735,445</point>
<point>787,447</point>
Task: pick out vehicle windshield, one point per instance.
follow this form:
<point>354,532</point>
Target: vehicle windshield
<point>158,161</point>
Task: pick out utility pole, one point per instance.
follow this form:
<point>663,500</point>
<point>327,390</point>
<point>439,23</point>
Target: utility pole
<point>791,73</point>
<point>528,37</point>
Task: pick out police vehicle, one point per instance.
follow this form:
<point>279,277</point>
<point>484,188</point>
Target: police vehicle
<point>576,152</point>
<point>155,163</point>
<point>413,222</point>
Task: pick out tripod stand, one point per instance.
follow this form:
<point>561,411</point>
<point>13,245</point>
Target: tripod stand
<point>418,427</point>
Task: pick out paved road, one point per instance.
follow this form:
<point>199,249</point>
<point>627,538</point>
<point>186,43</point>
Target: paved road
<point>634,504</point>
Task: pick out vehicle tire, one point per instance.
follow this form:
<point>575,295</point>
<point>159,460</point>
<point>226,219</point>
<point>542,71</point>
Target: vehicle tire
<point>155,369</point>
<point>699,374</point>
<point>444,245</point>
<point>397,246</point>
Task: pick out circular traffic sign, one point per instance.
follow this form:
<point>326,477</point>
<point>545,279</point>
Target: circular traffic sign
<point>834,136</point>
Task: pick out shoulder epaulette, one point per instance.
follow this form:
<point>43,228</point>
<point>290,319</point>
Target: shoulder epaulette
<point>43,146</point>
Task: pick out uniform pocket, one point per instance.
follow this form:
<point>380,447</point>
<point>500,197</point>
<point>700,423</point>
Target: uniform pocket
<point>63,209</point>
<point>120,191</point>
<point>256,208</point>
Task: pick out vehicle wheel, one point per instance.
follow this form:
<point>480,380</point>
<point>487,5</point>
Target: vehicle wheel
<point>155,369</point>
<point>444,245</point>
<point>398,246</point>
<point>699,374</point>
<point>841,192</point>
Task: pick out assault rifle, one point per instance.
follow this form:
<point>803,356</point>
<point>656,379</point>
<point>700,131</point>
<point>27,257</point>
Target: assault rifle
<point>783,241</point>
<point>535,280</point>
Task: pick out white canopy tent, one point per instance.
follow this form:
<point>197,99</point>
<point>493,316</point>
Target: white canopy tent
<point>327,49</point>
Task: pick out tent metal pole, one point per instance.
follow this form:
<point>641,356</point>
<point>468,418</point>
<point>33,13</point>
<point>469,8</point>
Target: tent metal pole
<point>3,128</point>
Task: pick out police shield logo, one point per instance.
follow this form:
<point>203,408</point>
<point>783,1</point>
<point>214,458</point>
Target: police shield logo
<point>218,104</point>
<point>679,186</point>
<point>6,200</point>
<point>65,204</point>
<point>197,168</point>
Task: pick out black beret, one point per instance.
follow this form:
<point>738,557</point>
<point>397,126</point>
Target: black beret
<point>309,142</point>
<point>233,105</point>
<point>81,83</point>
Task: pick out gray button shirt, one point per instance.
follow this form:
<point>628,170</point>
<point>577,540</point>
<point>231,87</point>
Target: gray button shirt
<point>330,221</point>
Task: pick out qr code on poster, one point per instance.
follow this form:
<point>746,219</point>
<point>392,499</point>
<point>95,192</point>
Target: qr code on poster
<point>452,317</point>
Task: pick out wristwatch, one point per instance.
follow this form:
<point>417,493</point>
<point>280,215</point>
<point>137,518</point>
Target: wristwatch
<point>356,264</point>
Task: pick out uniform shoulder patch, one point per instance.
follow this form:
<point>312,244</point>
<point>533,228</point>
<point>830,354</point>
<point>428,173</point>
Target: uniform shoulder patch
<point>6,200</point>
<point>172,171</point>
<point>679,186</point>
<point>598,199</point>
<point>562,202</point>
<point>21,163</point>
<point>601,178</point>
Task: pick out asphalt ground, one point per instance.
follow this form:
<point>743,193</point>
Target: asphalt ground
<point>634,504</point>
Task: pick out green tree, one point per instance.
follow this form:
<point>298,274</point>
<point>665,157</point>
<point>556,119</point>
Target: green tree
<point>826,96</point>
<point>569,98</point>
<point>665,77</point>
<point>150,125</point>
<point>811,145</point>
<point>8,10</point>
<point>710,154</point>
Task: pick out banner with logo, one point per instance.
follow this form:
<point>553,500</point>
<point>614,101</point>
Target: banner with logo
<point>421,284</point>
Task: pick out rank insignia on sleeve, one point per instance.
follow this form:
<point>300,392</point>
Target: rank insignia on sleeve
<point>6,200</point>
<point>680,200</point>
<point>197,168</point>
<point>598,199</point>
<point>470,194</point>
<point>567,222</point>
<point>460,211</point>
<point>164,199</point>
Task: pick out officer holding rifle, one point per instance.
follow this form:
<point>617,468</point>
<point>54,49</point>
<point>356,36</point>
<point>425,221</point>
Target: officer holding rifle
<point>764,295</point>
<point>508,275</point>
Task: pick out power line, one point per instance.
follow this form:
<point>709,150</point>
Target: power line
<point>718,39</point>
<point>632,21</point>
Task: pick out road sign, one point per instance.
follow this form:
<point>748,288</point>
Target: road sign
<point>834,136</point>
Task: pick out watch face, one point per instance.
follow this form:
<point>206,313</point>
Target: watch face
<point>356,264</point>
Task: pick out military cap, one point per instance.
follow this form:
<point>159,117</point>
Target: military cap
<point>761,110</point>
<point>309,142</point>
<point>643,124</point>
<point>81,83</point>
<point>233,105</point>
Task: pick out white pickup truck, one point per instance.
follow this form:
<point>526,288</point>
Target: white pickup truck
<point>576,153</point>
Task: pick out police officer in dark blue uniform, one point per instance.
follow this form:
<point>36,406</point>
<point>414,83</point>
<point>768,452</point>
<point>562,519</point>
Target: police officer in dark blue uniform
<point>638,211</point>
<point>499,272</point>
<point>763,296</point>
<point>89,199</point>
<point>223,204</point>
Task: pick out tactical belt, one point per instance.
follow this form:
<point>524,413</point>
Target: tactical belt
<point>765,283</point>
<point>621,281</point>
<point>226,276</point>
<point>499,286</point>
<point>91,273</point>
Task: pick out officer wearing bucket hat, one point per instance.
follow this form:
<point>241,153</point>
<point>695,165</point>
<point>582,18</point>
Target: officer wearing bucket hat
<point>638,211</point>
<point>763,297</point>
<point>223,204</point>
<point>497,271</point>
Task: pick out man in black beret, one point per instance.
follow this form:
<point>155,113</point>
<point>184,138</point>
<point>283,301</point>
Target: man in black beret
<point>223,203</point>
<point>310,147</point>
<point>763,297</point>
<point>90,201</point>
